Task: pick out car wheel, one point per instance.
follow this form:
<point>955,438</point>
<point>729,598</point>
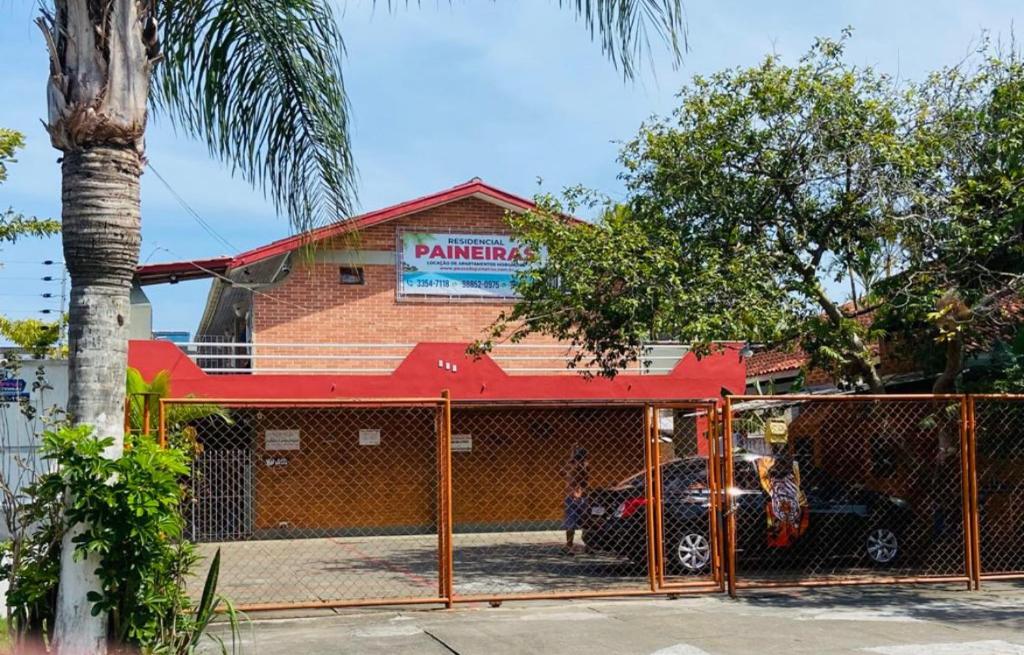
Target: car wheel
<point>692,553</point>
<point>882,546</point>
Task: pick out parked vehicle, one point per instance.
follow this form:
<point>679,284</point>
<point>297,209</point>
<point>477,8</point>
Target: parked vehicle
<point>844,520</point>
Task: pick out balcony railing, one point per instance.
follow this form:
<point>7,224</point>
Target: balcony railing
<point>383,358</point>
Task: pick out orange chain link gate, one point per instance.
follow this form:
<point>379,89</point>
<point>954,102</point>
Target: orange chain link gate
<point>848,489</point>
<point>340,502</point>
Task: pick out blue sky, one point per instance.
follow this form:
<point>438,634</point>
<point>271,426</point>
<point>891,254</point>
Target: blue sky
<point>510,91</point>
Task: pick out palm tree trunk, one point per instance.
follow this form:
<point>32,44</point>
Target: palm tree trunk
<point>101,56</point>
<point>100,197</point>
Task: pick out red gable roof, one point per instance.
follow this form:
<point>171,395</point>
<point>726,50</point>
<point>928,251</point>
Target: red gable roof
<point>154,273</point>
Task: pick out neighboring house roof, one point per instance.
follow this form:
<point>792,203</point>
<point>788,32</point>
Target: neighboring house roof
<point>1001,326</point>
<point>475,188</point>
<point>789,359</point>
<point>769,362</point>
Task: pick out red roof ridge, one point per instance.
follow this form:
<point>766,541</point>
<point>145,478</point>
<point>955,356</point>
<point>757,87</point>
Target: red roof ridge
<point>362,221</point>
<point>470,188</point>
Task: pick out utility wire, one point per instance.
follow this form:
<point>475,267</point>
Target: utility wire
<point>45,278</point>
<point>31,311</point>
<point>44,262</point>
<point>27,295</point>
<point>192,212</point>
<point>232,283</point>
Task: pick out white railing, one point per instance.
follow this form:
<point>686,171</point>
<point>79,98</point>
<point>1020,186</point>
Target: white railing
<point>383,358</point>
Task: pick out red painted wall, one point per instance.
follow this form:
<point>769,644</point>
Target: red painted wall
<point>419,376</point>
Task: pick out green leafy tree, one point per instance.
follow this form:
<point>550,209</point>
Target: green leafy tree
<point>33,335</point>
<point>766,184</point>
<point>14,225</point>
<point>259,81</point>
<point>962,233</point>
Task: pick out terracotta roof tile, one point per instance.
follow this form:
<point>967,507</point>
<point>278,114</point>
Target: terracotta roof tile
<point>776,361</point>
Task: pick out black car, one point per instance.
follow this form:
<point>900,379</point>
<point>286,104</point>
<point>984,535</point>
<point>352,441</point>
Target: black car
<point>843,520</point>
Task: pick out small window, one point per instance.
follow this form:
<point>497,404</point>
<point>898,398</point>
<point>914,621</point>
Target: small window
<point>352,275</point>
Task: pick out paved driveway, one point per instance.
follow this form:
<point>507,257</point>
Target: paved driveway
<point>311,570</point>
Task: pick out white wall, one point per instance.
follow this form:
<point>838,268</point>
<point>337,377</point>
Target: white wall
<point>19,435</point>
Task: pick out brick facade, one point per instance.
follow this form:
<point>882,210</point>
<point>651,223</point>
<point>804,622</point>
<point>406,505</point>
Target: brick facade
<point>312,306</point>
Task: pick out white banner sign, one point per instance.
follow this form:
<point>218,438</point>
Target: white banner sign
<point>460,265</point>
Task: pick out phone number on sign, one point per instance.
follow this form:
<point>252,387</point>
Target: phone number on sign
<point>427,284</point>
<point>482,284</point>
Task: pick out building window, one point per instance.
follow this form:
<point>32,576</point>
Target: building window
<point>352,275</point>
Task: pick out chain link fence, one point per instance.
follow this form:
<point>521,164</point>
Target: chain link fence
<point>424,501</point>
<point>687,527</point>
<point>319,504</point>
<point>548,500</point>
<point>827,490</point>
<point>998,465</point>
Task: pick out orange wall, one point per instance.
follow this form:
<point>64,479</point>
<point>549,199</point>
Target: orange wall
<point>513,475</point>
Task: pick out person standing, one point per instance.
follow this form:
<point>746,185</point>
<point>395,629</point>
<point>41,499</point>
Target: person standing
<point>577,480</point>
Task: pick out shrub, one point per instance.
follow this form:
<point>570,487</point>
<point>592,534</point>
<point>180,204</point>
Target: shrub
<point>127,512</point>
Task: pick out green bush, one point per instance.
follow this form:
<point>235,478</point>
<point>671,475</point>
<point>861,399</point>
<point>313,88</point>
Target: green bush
<point>129,509</point>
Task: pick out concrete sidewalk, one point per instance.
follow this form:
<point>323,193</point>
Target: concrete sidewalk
<point>890,620</point>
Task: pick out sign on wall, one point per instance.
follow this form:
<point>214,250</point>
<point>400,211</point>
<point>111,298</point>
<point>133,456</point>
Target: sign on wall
<point>12,389</point>
<point>369,437</point>
<point>281,440</point>
<point>460,265</point>
<point>462,443</point>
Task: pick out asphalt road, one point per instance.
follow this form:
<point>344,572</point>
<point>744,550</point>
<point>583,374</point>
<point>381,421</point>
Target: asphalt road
<point>886,620</point>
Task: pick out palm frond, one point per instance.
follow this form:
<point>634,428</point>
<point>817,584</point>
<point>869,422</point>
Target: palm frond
<point>260,82</point>
<point>180,415</point>
<point>624,27</point>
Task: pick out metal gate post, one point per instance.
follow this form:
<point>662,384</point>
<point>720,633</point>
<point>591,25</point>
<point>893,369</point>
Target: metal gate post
<point>145,414</point>
<point>972,470</point>
<point>656,489</point>
<point>649,448</point>
<point>446,497</point>
<point>439,477</point>
<point>714,487</point>
<point>728,500</point>
<point>965,493</point>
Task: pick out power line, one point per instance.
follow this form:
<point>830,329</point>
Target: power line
<point>232,283</point>
<point>188,208</point>
<point>44,262</point>
<point>45,278</point>
<point>32,311</point>
<point>28,295</point>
